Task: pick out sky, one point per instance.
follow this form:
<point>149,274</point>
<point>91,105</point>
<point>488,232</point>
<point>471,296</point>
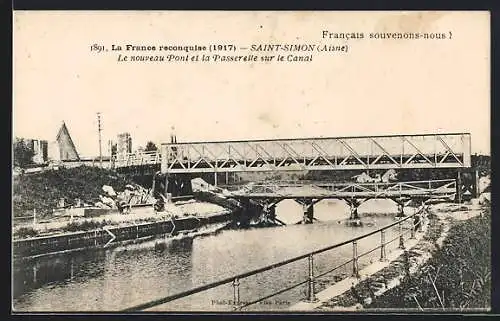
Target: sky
<point>378,87</point>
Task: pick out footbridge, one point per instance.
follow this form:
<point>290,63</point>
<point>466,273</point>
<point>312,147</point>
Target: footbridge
<point>321,190</point>
<point>269,194</point>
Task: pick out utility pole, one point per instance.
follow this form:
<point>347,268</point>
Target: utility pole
<point>99,130</point>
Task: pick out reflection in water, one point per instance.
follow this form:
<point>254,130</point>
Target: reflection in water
<point>131,274</point>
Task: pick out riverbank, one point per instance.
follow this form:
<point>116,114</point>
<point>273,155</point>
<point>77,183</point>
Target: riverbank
<point>43,191</point>
<point>457,277</point>
<point>104,237</point>
<point>437,272</point>
<point>58,225</point>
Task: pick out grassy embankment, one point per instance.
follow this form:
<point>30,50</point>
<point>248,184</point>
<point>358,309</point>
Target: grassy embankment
<point>42,191</point>
<point>457,277</point>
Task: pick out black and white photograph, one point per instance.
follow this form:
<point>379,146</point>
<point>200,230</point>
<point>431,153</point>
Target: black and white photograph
<point>251,162</point>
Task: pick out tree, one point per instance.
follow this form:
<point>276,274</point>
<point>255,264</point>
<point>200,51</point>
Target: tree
<point>23,155</point>
<point>113,149</point>
<point>150,147</point>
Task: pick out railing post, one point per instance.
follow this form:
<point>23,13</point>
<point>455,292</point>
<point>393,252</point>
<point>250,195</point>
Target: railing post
<point>382,246</point>
<point>401,239</point>
<point>311,296</point>
<point>236,293</point>
<point>355,269</point>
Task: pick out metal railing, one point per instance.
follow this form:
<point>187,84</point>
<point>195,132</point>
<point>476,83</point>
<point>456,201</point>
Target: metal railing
<point>311,277</point>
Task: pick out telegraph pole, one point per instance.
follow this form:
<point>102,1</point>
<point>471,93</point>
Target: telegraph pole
<point>99,130</point>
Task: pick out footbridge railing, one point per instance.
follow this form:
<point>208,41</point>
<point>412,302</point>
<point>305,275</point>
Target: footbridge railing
<point>392,235</point>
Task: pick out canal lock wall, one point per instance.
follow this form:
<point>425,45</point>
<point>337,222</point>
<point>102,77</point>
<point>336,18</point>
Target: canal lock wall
<point>105,236</point>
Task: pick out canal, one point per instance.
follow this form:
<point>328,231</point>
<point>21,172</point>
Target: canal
<point>127,275</point>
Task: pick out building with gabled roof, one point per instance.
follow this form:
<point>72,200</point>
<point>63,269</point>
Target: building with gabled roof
<point>63,148</point>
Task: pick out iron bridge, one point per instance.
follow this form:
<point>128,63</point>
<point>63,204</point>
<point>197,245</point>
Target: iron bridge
<point>450,150</point>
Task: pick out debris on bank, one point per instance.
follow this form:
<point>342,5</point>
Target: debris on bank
<point>113,208</point>
<point>45,191</point>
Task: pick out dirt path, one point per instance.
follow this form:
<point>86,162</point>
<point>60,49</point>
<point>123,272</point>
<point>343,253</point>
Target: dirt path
<point>361,293</point>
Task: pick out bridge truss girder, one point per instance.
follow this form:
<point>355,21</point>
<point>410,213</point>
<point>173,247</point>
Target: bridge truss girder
<point>341,153</point>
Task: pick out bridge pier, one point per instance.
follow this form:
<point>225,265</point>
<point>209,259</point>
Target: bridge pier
<point>247,214</point>
<point>353,204</point>
<point>467,186</point>
<point>176,185</point>
<point>269,212</point>
<point>308,209</point>
<point>401,202</point>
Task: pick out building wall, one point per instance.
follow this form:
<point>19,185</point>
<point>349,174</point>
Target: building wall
<point>124,145</point>
<point>54,153</point>
<point>66,149</point>
<point>39,148</point>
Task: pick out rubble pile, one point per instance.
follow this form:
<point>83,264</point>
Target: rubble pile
<point>132,194</point>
